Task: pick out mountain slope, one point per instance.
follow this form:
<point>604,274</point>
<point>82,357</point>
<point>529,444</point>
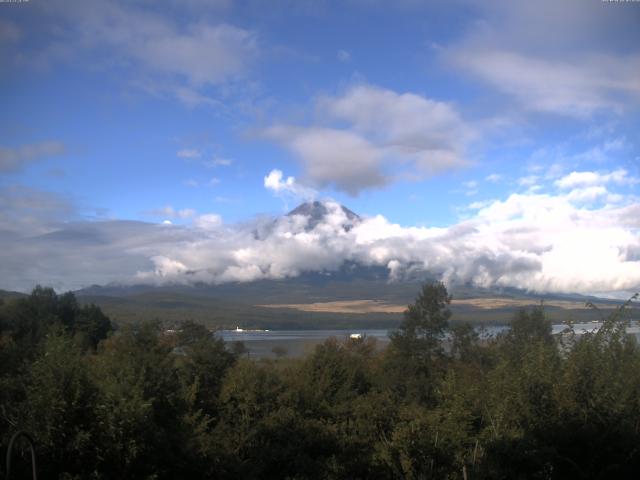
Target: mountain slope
<point>316,212</point>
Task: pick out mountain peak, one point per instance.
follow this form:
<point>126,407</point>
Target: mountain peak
<point>316,211</point>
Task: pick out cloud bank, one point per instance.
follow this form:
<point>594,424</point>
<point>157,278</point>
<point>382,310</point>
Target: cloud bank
<point>543,242</point>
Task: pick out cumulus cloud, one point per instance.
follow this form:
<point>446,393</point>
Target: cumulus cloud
<point>535,242</point>
<point>407,120</point>
<point>593,194</point>
<point>333,157</point>
<point>287,188</point>
<point>384,131</point>
<point>539,242</point>
<point>13,159</point>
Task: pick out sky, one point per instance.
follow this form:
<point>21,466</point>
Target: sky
<point>492,143</point>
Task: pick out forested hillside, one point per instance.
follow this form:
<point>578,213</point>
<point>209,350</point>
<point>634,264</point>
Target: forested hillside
<point>141,402</point>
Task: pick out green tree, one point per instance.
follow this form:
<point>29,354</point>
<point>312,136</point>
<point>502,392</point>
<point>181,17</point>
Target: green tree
<point>529,326</point>
<point>202,363</point>
<point>59,410</point>
<point>414,357</point>
<point>464,343</point>
<point>142,412</point>
<point>29,319</point>
<point>425,322</point>
<point>333,375</point>
<point>92,324</point>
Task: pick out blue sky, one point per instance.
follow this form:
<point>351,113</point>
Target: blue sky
<point>430,114</point>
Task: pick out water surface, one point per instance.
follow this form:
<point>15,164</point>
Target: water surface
<point>295,343</point>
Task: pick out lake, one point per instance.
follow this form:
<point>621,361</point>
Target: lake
<point>293,343</point>
<point>296,343</point>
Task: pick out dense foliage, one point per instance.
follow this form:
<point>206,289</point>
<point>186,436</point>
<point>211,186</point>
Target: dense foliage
<point>436,403</point>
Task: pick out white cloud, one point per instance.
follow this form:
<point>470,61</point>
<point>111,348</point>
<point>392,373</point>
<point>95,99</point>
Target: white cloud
<point>471,187</point>
<point>408,134</point>
<point>171,212</point>
<point>204,54</point>
<point>188,153</point>
<point>208,221</point>
<point>274,181</point>
<point>570,58</point>
<point>219,162</point>
<point>580,87</point>
<point>588,179</point>
<point>13,159</point>
<point>592,194</point>
<point>165,268</point>
<point>343,56</point>
<point>602,153</point>
<point>409,122</point>
<point>26,211</point>
<point>477,205</point>
<point>164,55</point>
<point>493,178</point>
<point>333,157</point>
<point>287,187</point>
<point>528,181</point>
<point>544,243</point>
